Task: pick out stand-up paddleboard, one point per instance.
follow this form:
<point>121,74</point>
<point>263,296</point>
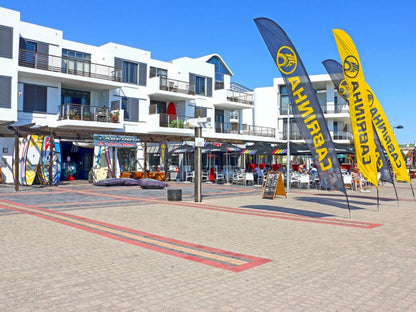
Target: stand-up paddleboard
<point>43,171</point>
<point>22,160</point>
<point>99,172</point>
<point>15,161</point>
<point>110,167</point>
<point>56,169</point>
<point>34,151</point>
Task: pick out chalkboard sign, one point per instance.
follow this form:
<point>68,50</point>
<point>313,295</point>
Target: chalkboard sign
<point>274,185</point>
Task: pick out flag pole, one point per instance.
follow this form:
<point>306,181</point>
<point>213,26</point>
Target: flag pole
<point>348,204</point>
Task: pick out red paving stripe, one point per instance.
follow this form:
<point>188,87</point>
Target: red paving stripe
<point>227,260</point>
<point>246,211</point>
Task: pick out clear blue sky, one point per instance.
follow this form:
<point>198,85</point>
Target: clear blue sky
<point>383,32</point>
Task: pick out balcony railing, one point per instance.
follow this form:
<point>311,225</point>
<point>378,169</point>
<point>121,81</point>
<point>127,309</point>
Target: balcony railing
<point>236,128</point>
<point>296,135</point>
<point>67,65</point>
<point>240,97</point>
<point>88,113</point>
<point>326,109</point>
<point>178,86</point>
<point>172,121</point>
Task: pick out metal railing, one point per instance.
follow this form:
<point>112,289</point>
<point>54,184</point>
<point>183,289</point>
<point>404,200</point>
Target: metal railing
<point>68,65</point>
<point>178,86</point>
<point>172,121</point>
<point>326,109</point>
<point>240,97</point>
<point>244,129</point>
<point>88,113</point>
<point>293,135</point>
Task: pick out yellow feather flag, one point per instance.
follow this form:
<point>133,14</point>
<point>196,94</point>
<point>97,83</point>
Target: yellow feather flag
<point>387,138</point>
<point>361,124</point>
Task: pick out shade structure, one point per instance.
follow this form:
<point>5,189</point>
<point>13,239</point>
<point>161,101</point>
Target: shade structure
<point>303,149</point>
<point>185,148</point>
<point>220,148</point>
<point>257,149</point>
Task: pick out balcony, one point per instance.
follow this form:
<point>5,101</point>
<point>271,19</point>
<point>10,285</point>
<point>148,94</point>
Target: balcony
<point>326,109</point>
<point>293,135</point>
<point>240,97</point>
<point>165,89</point>
<point>68,66</point>
<point>87,113</point>
<point>244,129</point>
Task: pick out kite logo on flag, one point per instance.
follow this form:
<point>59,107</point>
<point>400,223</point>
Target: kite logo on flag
<point>343,90</point>
<point>351,66</point>
<point>286,60</point>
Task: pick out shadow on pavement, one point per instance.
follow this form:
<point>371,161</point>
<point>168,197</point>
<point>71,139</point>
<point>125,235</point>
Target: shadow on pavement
<point>306,213</point>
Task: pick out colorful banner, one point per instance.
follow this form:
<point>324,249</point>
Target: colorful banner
<point>305,105</point>
<point>388,140</point>
<point>361,124</point>
<point>334,70</point>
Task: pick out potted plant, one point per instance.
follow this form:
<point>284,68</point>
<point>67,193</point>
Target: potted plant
<point>115,116</point>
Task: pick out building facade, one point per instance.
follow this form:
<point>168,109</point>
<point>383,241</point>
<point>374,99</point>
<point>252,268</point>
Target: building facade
<point>72,90</point>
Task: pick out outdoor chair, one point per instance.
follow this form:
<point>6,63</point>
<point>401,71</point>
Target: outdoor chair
<point>249,178</point>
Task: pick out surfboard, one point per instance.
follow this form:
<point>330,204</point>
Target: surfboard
<point>15,161</point>
<point>56,170</point>
<point>22,160</point>
<point>43,168</point>
<point>99,172</point>
<point>34,151</point>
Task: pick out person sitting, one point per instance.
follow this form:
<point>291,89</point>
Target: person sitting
<point>356,179</point>
<point>258,173</point>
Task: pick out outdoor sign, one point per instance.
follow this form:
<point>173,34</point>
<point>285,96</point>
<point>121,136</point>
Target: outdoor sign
<point>115,140</point>
<point>274,185</point>
<point>199,142</point>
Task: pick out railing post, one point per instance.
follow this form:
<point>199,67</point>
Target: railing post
<point>82,112</point>
<point>67,110</point>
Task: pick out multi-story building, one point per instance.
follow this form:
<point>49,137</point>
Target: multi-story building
<point>72,90</point>
<point>50,85</point>
<point>278,112</point>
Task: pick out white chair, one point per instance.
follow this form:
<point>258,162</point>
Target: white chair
<point>249,178</point>
<point>219,177</point>
<point>238,177</point>
<point>190,175</point>
<point>347,181</point>
<point>304,181</point>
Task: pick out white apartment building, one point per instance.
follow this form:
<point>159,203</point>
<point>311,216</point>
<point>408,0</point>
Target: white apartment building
<point>275,113</point>
<point>50,85</point>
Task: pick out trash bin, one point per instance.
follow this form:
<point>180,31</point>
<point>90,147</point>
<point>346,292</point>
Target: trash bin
<point>174,194</point>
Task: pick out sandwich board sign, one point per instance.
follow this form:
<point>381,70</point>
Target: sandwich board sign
<point>274,185</point>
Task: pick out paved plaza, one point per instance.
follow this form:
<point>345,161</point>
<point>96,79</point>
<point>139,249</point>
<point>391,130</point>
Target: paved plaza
<point>79,247</point>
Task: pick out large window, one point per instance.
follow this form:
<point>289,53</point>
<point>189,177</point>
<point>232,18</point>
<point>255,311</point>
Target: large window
<point>34,98</point>
<point>75,97</point>
<point>131,109</point>
<point>220,71</point>
<point>76,63</point>
<point>200,85</point>
<point>129,72</point>
<point>6,41</point>
<point>5,92</point>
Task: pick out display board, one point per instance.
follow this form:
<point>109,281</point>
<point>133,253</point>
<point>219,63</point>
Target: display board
<point>274,185</point>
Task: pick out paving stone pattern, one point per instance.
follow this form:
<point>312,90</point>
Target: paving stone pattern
<point>48,266</point>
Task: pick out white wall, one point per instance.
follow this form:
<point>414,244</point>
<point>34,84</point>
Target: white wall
<point>6,159</point>
<point>265,107</point>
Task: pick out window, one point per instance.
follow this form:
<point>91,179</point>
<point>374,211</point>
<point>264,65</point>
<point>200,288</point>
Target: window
<point>129,72</point>
<point>76,63</point>
<point>6,41</point>
<point>157,72</point>
<point>131,109</point>
<point>284,101</point>
<point>5,92</point>
<point>34,98</point>
<point>199,85</point>
<point>75,97</point>
<point>220,71</point>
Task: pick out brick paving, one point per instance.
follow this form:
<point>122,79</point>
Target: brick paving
<point>320,259</point>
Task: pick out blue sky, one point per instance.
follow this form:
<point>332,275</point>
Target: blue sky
<point>383,32</point>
